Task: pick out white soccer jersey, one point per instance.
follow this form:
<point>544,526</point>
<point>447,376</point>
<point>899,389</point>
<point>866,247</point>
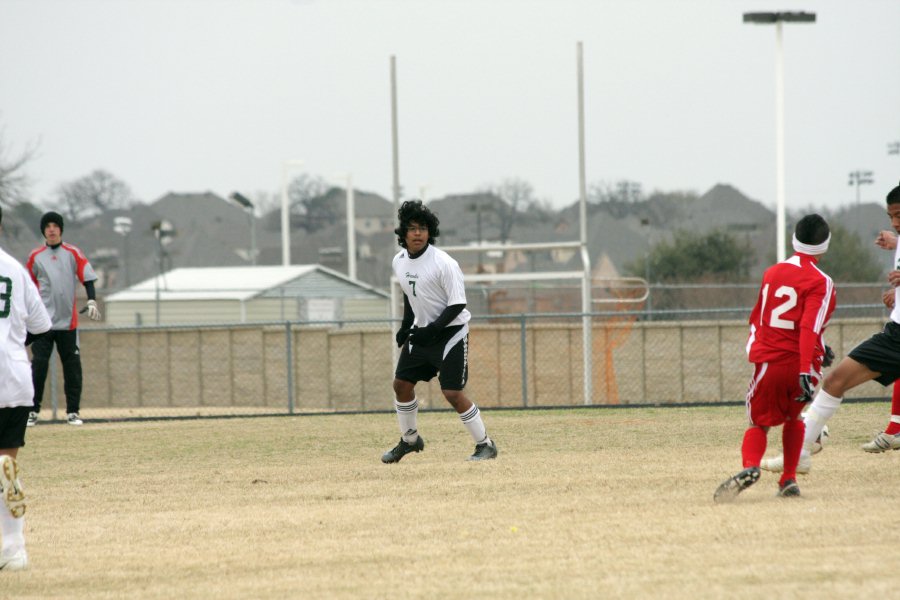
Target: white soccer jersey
<point>431,282</point>
<point>21,310</point>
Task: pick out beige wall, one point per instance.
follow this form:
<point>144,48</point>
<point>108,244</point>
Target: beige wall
<point>351,368</point>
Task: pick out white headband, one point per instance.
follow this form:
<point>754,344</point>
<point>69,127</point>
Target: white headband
<point>809,248</point>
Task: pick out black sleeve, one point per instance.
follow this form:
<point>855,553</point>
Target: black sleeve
<point>448,315</point>
<point>89,288</point>
<point>30,337</point>
<point>408,315</point>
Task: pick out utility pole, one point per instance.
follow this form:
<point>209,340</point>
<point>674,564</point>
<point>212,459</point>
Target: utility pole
<point>859,178</point>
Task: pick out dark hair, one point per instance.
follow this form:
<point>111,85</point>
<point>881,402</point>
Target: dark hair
<point>812,229</point>
<point>51,217</point>
<point>414,210</point>
<point>893,196</point>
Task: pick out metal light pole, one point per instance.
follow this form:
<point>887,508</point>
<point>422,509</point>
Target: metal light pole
<point>245,203</point>
<point>859,178</point>
<point>645,222</point>
<point>395,142</point>
<point>351,229</point>
<point>777,18</point>
<point>894,148</point>
<point>285,220</point>
<point>122,226</point>
<point>476,208</point>
<point>163,231</point>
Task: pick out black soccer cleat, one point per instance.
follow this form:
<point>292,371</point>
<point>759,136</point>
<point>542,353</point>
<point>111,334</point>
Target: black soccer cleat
<point>733,486</point>
<point>485,451</point>
<point>788,489</point>
<point>402,449</point>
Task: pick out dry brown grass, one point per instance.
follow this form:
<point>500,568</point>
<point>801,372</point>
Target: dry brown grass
<point>580,504</point>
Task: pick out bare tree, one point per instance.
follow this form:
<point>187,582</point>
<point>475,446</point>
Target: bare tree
<point>516,195</point>
<point>306,196</point>
<point>13,181</point>
<point>93,194</point>
<point>623,190</point>
<point>265,202</point>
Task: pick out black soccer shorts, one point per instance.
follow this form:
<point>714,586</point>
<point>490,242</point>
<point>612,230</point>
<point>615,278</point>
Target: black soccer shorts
<point>881,353</point>
<point>448,355</point>
<point>13,421</point>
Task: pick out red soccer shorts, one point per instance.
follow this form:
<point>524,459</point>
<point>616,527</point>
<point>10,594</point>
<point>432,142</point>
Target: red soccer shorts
<point>770,399</point>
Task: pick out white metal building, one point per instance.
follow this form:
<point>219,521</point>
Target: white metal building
<point>246,294</point>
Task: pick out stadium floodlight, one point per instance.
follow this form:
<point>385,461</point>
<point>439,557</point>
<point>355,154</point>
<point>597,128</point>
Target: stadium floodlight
<point>894,148</point>
<point>859,178</point>
<point>768,18</point>
<point>777,18</point>
<point>245,203</point>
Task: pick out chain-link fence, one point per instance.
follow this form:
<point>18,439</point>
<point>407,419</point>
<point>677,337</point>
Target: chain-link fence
<point>525,360</point>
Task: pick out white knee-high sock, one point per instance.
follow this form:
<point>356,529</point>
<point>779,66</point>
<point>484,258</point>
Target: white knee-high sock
<point>12,531</point>
<point>822,408</point>
<point>472,420</point>
<point>407,412</point>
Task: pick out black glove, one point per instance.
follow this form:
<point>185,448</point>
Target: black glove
<point>828,358</point>
<point>423,336</point>
<point>401,336</point>
<point>807,388</point>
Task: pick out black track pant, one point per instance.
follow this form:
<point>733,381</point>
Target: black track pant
<point>67,347</point>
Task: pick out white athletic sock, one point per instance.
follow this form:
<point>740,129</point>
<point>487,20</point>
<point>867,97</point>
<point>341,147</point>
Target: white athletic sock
<point>406,416</point>
<point>12,531</point>
<point>895,419</point>
<point>822,408</point>
<point>472,420</point>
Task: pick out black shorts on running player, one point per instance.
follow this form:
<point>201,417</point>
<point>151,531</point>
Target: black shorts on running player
<point>881,353</point>
<point>447,355</point>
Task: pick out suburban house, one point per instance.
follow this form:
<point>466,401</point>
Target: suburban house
<point>244,294</point>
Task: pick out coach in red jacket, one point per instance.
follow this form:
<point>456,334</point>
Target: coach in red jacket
<point>57,268</point>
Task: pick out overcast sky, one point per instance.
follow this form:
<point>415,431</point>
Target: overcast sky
<point>196,95</point>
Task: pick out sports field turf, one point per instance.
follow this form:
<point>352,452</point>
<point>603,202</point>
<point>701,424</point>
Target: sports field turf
<point>580,504</point>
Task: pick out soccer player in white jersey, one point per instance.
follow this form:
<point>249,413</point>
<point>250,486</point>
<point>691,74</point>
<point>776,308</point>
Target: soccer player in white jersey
<point>787,349</point>
<point>434,334</point>
<point>21,313</point>
<point>876,358</point>
<point>56,268</point>
<point>889,439</point>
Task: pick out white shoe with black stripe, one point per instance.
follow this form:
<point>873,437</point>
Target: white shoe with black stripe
<point>17,561</point>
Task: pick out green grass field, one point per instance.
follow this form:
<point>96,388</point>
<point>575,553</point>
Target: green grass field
<point>580,504</point>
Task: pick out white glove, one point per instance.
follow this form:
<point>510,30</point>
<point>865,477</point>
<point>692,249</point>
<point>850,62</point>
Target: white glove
<point>92,310</point>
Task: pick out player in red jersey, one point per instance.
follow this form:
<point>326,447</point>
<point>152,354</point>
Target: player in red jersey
<point>795,302</point>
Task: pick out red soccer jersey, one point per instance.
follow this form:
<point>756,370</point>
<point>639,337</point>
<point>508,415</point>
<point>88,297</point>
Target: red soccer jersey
<point>795,302</point>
